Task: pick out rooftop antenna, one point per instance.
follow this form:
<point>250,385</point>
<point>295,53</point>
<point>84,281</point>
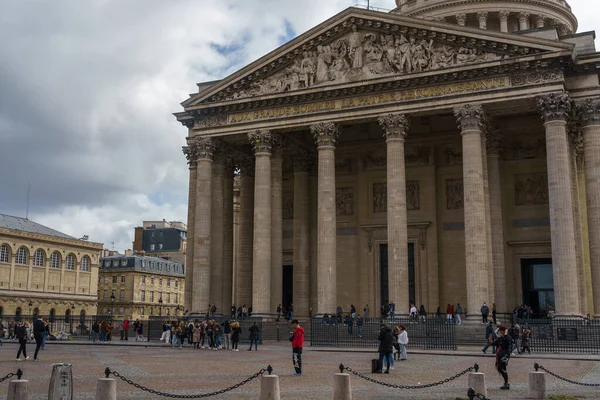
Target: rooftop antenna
<point>368,4</point>
<point>27,208</point>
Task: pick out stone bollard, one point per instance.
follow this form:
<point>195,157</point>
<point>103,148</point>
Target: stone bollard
<point>269,387</point>
<point>106,389</point>
<point>477,382</point>
<point>342,390</point>
<point>18,390</point>
<point>537,385</point>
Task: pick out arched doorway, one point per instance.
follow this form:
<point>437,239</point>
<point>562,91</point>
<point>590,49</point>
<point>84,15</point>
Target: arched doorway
<point>52,315</point>
<point>18,313</point>
<point>68,316</point>
<point>36,313</point>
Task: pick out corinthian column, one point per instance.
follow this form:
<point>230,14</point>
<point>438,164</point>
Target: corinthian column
<point>276,222</point>
<point>261,261</point>
<point>482,18</point>
<point>243,278</point>
<point>301,256</point>
<point>461,19</point>
<point>523,21</point>
<point>228,250</point>
<point>471,119</point>
<point>555,109</point>
<point>217,232</point>
<point>503,15</point>
<point>497,229</point>
<point>395,127</point>
<point>202,226</point>
<point>326,135</point>
<point>191,154</point>
<point>589,116</point>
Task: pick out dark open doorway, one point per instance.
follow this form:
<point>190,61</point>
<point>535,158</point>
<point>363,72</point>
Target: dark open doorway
<point>538,284</point>
<point>384,281</point>
<point>287,293</point>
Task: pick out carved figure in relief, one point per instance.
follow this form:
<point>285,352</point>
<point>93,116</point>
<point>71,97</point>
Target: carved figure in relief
<point>531,189</point>
<point>356,42</point>
<point>412,195</point>
<point>454,194</point>
<point>324,61</point>
<point>404,48</point>
<point>344,199</point>
<point>379,197</point>
<point>453,156</point>
<point>308,69</point>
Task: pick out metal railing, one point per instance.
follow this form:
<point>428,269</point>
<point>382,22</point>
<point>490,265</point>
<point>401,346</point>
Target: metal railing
<point>563,335</point>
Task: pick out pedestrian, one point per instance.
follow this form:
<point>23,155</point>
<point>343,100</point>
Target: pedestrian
<point>126,328</point>
<point>279,309</point>
<point>121,330</point>
<point>422,313</point>
<point>494,314</point>
<point>218,336</point>
<point>244,311</point>
<point>504,345</point>
<point>210,333</point>
<point>190,332</point>
<point>21,335</point>
<point>438,313</point>
<point>352,311</point>
<point>490,337</point>
<point>233,310</point>
<point>386,347</point>
<point>392,310</point>
<point>46,333</point>
<point>412,312</point>
<point>348,320</point>
<point>366,312</point>
<point>359,325</point>
<point>291,312</point>
<point>203,328</point>
<point>38,334</point>
<point>235,335</point>
<point>525,341</point>
<point>227,334</point>
<point>139,331</point>
<point>103,331</point>
<point>514,332</point>
<point>196,335</point>
<point>213,311</point>
<point>403,342</point>
<point>449,312</point>
<point>459,311</point>
<point>485,311</point>
<point>254,331</point>
<point>95,331</point>
<point>297,340</point>
<point>1,332</point>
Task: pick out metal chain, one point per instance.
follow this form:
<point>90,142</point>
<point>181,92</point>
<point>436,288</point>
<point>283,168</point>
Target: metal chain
<point>186,396</point>
<point>7,377</point>
<point>566,379</point>
<point>472,395</point>
<point>391,385</point>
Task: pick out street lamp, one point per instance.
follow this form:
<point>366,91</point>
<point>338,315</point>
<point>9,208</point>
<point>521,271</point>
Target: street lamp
<point>30,306</point>
<point>160,301</point>
<point>112,302</point>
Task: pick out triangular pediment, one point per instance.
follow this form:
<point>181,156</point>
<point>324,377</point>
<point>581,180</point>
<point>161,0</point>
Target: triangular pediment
<point>359,45</point>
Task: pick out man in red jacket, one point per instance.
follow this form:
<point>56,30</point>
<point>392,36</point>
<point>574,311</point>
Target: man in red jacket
<point>297,340</point>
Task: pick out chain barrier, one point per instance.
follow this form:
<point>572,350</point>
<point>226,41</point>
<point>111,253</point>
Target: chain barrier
<point>471,394</point>
<point>108,372</point>
<point>343,368</point>
<point>538,367</point>
<point>18,374</point>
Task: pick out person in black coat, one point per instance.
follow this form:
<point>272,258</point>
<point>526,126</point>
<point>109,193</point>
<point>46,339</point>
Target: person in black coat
<point>254,336</point>
<point>235,335</point>
<point>39,328</point>
<point>386,347</point>
<point>504,345</point>
<point>21,334</point>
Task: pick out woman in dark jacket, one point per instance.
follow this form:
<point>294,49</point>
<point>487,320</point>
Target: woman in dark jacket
<point>254,336</point>
<point>504,345</point>
<point>386,347</point>
<point>21,334</point>
<point>235,335</point>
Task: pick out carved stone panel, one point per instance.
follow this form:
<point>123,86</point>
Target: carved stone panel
<point>345,166</point>
<point>413,201</point>
<point>531,189</point>
<point>523,148</point>
<point>374,161</point>
<point>454,194</point>
<point>418,155</point>
<point>452,155</point>
<point>344,200</point>
<point>288,207</point>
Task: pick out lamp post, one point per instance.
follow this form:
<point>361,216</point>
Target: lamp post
<point>112,303</point>
<point>160,301</point>
<point>30,306</point>
<point>71,319</point>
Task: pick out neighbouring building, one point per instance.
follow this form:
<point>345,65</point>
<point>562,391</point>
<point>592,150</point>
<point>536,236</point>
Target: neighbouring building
<point>137,287</point>
<point>161,239</point>
<point>46,272</point>
<point>401,157</point>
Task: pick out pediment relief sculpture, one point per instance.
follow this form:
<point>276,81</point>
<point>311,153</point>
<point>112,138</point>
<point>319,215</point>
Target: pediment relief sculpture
<point>361,55</point>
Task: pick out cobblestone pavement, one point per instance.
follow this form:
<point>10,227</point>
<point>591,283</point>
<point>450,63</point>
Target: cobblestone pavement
<point>187,371</point>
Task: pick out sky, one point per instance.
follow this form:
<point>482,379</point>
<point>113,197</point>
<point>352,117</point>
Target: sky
<point>88,88</point>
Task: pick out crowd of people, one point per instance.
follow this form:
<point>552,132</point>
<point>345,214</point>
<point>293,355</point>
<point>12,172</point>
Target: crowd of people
<point>25,332</point>
<point>392,346</point>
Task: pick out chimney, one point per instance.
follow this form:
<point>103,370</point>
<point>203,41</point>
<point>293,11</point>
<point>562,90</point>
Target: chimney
<point>138,239</point>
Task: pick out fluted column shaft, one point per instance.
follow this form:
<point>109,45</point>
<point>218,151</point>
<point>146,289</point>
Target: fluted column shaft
<point>276,223</point>
<point>503,15</point>
<point>555,108</point>
<point>217,232</point>
<point>301,256</point>
<point>471,119</point>
<point>228,250</point>
<point>313,189</point>
<point>202,226</point>
<point>243,279</point>
<point>261,260</point>
<point>488,224</point>
<point>326,135</point>
<point>189,256</point>
<point>523,21</point>
<point>589,113</point>
<point>395,127</point>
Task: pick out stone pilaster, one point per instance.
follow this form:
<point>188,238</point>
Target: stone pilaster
<point>523,21</point>
<point>482,18</point>
<point>301,255</point>
<point>488,225</point>
<point>261,261</point>
<point>313,190</point>
<point>589,117</point>
<point>228,249</point>
<point>243,279</point>
<point>326,135</point>
<point>276,222</point>
<point>395,127</point>
<point>217,231</point>
<point>191,155</point>
<point>461,19</point>
<point>202,225</point>
<point>503,16</point>
<point>471,119</point>
<point>496,224</point>
<point>555,109</point>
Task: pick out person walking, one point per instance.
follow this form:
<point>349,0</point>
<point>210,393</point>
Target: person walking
<point>459,311</point>
<point>235,335</point>
<point>485,311</point>
<point>139,331</point>
<point>227,334</point>
<point>126,329</point>
<point>386,347</point>
<point>490,337</point>
<point>21,335</point>
<point>233,310</point>
<point>422,313</point>
<point>46,333</point>
<point>494,314</point>
<point>297,340</point>
<point>348,320</point>
<point>38,334</point>
<point>279,309</point>
<point>449,313</point>
<point>504,345</point>
<point>196,335</point>
<point>359,325</point>
<point>525,341</point>
<point>254,336</point>
<point>403,342</point>
<point>366,312</point>
<point>392,306</point>
<point>95,331</point>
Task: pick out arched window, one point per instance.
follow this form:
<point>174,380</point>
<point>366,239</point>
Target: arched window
<point>68,315</point>
<point>22,256</point>
<point>18,313</point>
<point>4,253</point>
<point>82,318</point>
<point>71,262</point>
<point>38,258</point>
<point>85,264</point>
<point>55,260</point>
<point>52,315</point>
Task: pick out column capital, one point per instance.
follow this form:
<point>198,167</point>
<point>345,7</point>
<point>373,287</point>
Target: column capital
<point>523,16</point>
<point>493,141</point>
<point>191,155</point>
<point>261,141</point>
<point>482,17</point>
<point>461,19</point>
<point>588,112</point>
<point>555,107</point>
<point>395,126</point>
<point>325,134</point>
<point>202,147</point>
<point>218,150</point>
<point>470,117</point>
<point>539,21</point>
<point>278,143</point>
<point>503,15</point>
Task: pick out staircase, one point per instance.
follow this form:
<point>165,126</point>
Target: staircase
<point>470,334</point>
<point>273,330</point>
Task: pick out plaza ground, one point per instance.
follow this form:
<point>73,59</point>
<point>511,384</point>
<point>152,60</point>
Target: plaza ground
<point>188,371</point>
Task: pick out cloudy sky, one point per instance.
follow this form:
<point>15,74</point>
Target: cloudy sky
<point>87,88</point>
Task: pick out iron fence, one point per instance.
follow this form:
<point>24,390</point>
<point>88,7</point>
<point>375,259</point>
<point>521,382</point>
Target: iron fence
<point>154,327</point>
<point>431,333</point>
<point>563,335</point>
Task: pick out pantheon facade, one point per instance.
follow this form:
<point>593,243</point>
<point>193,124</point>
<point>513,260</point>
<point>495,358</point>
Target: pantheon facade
<point>445,152</point>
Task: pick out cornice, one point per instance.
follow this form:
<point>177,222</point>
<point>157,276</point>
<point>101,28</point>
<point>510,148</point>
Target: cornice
<point>51,239</point>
